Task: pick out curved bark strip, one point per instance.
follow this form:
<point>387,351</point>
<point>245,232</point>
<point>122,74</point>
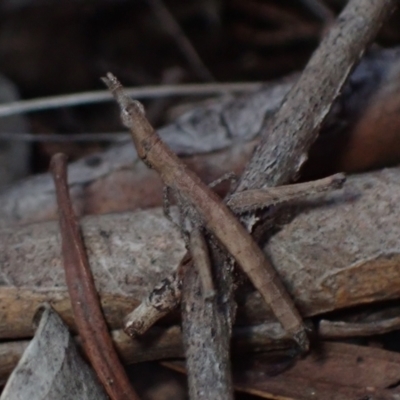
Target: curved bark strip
<point>85,302</point>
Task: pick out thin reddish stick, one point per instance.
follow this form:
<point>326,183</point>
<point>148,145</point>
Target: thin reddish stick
<point>85,302</point>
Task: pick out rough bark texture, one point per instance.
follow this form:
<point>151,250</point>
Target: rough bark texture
<point>287,139</point>
<point>203,324</point>
<point>129,253</point>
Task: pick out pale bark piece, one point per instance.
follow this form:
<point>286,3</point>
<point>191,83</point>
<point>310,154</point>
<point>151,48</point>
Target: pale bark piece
<point>85,302</point>
<point>51,367</point>
<point>341,249</point>
<point>128,254</point>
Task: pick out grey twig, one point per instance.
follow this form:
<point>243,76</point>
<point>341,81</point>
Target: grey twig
<point>253,200</point>
<point>287,139</point>
<point>101,96</point>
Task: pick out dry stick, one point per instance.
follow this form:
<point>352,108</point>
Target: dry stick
<point>203,322</point>
<point>342,329</point>
<point>258,199</point>
<point>161,301</point>
<point>285,142</point>
<point>167,295</point>
<point>278,160</point>
<point>215,215</point>
<point>284,148</point>
<point>85,302</point>
<point>216,382</point>
<point>100,96</point>
<point>232,235</point>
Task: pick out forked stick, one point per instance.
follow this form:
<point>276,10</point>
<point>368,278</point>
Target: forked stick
<point>167,294</point>
<point>214,214</point>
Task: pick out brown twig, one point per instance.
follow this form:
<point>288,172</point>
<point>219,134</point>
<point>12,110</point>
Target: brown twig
<point>166,296</point>
<point>252,200</point>
<point>198,357</point>
<point>343,329</point>
<point>278,161</point>
<point>204,208</point>
<point>162,300</point>
<point>89,319</point>
<point>213,213</point>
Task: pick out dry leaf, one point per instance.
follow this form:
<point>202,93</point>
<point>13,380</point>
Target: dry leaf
<point>51,367</point>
